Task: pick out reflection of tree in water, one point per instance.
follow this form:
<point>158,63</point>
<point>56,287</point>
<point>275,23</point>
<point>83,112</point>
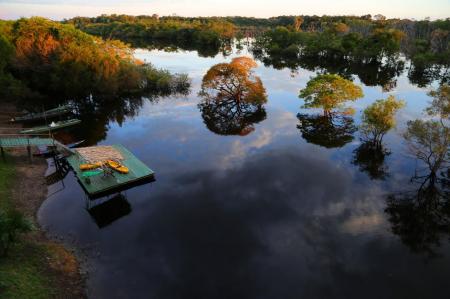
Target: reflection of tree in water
<point>377,119</point>
<point>97,112</point>
<point>233,98</point>
<point>422,218</point>
<point>372,73</point>
<point>370,159</point>
<point>230,117</point>
<point>333,130</point>
<point>424,75</point>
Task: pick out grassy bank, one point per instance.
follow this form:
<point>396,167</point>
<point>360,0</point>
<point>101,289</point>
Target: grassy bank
<point>34,267</point>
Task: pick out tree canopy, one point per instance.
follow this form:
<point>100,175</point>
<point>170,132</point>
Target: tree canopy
<point>329,91</point>
<point>234,80</point>
<point>233,97</point>
<point>379,117</point>
<point>49,58</point>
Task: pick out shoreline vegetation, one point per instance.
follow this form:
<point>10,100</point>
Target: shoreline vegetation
<point>34,266</point>
<point>38,57</point>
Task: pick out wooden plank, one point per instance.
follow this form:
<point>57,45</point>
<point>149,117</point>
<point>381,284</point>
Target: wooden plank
<point>24,141</point>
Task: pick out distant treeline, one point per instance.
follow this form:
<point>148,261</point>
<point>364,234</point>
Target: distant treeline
<point>423,41</point>
<point>43,61</point>
<point>188,33</point>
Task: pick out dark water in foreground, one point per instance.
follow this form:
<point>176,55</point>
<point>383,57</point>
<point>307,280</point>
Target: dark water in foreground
<point>263,215</point>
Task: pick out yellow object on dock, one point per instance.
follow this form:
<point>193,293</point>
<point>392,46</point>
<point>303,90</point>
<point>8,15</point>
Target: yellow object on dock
<point>90,166</point>
<point>117,166</point>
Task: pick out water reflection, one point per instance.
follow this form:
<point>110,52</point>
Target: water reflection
<point>332,130</point>
<point>370,157</point>
<point>422,218</point>
<point>371,73</point>
<point>278,219</point>
<point>233,98</point>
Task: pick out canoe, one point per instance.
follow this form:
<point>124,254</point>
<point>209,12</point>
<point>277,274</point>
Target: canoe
<point>52,127</point>
<point>58,111</point>
<point>117,166</point>
<point>91,166</point>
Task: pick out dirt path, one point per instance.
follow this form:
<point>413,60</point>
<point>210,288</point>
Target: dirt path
<point>29,192</point>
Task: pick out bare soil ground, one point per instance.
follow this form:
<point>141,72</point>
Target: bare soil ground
<point>28,193</point>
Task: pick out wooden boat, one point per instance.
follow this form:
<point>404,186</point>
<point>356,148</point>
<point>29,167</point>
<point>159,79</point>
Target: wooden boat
<point>58,111</point>
<point>117,166</point>
<point>51,127</point>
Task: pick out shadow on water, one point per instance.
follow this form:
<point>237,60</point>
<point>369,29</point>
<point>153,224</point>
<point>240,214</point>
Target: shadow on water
<point>109,210</point>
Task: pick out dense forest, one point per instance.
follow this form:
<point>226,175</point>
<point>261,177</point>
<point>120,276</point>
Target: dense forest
<point>38,55</point>
<point>366,45</point>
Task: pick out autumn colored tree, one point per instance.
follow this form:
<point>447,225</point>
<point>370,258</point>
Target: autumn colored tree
<point>379,118</point>
<point>234,81</point>
<point>340,28</point>
<point>49,58</point>
<point>233,97</point>
<point>298,21</point>
<point>328,92</point>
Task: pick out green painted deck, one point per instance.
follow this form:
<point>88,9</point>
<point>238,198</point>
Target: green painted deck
<point>24,141</point>
<point>138,171</point>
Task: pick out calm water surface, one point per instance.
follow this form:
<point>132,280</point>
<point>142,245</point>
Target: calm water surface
<point>263,214</point>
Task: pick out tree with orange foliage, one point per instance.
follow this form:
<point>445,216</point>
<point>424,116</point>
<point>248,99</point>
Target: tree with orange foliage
<point>234,81</point>
<point>233,97</point>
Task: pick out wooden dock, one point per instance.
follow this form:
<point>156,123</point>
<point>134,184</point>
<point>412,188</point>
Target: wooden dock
<point>99,185</point>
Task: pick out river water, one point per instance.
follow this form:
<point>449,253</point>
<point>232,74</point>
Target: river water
<point>270,212</point>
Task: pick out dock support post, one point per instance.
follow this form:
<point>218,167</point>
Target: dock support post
<point>29,153</point>
<point>3,154</point>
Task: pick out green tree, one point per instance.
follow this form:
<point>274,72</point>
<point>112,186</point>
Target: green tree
<point>12,223</point>
<point>329,92</point>
<point>379,118</point>
<point>440,106</point>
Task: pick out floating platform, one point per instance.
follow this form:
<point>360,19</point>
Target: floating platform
<point>100,185</point>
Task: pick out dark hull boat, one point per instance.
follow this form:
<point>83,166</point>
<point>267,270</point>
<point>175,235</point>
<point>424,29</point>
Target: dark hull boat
<point>52,127</point>
<point>58,111</point>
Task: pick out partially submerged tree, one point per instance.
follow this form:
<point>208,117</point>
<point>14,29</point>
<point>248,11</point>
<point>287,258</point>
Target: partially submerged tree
<point>429,140</point>
<point>379,118</point>
<point>234,81</point>
<point>329,92</point>
<point>233,97</point>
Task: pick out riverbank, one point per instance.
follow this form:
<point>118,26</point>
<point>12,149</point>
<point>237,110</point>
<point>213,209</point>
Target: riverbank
<point>35,267</point>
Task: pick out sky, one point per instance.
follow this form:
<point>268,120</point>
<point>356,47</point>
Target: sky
<point>57,10</point>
